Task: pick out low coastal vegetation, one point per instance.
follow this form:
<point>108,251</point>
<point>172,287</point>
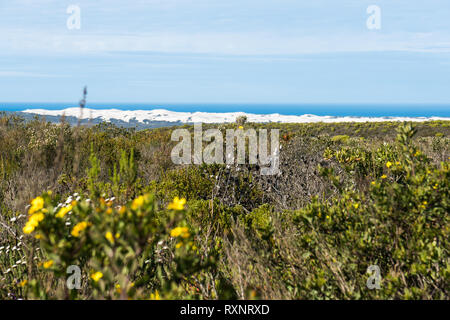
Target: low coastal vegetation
<point>101,212</point>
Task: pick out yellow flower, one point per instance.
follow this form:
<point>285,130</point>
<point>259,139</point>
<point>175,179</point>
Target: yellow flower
<point>23,283</point>
<point>424,205</point>
<point>36,205</point>
<point>373,183</point>
<point>28,228</point>
<point>38,236</point>
<point>78,228</point>
<point>356,205</point>
<point>388,164</point>
<point>179,245</point>
<point>241,127</point>
<point>155,296</point>
<point>435,186</point>
<point>37,217</point>
<point>118,289</point>
<point>109,211</point>
<point>33,222</point>
<point>48,264</point>
<point>383,176</point>
<point>63,211</point>
<point>122,210</point>
<point>96,276</point>
<point>137,203</point>
<point>109,237</point>
<point>177,204</point>
<point>180,231</point>
<point>117,235</point>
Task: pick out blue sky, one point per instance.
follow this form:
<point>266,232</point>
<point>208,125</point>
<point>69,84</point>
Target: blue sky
<point>287,51</point>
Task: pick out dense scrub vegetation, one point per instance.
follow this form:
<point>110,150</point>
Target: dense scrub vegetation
<point>111,202</point>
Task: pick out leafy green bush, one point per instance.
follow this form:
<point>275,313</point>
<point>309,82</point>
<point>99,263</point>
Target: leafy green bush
<point>114,245</point>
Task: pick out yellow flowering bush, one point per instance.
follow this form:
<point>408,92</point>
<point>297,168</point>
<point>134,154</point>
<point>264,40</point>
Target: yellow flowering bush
<point>118,246</point>
<point>404,228</point>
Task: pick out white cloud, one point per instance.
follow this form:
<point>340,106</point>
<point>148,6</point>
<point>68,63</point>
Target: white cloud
<point>284,27</point>
<point>245,43</point>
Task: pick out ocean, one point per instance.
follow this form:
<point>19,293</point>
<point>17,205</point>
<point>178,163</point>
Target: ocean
<point>338,110</point>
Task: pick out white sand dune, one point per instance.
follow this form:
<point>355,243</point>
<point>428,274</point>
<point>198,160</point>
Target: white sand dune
<point>210,117</point>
